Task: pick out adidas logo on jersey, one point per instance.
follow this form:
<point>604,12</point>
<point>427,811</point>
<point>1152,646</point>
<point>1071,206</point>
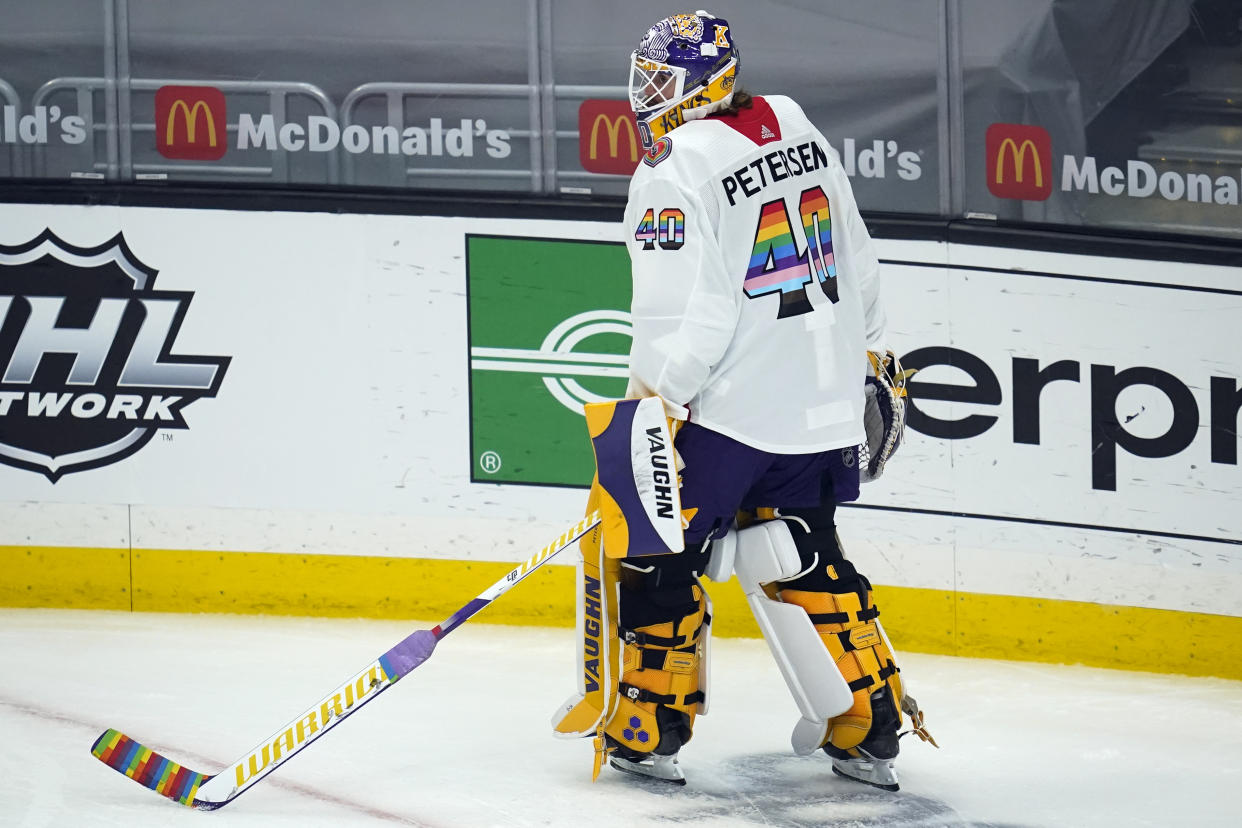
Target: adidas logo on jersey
<point>765,133</point>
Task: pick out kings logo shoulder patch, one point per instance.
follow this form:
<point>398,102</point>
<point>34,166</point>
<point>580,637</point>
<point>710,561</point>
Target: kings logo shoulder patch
<point>662,149</point>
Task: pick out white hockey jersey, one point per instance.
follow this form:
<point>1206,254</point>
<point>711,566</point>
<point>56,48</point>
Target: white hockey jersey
<point>756,286</point>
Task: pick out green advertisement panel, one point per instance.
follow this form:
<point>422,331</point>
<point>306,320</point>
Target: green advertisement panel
<point>549,331</point>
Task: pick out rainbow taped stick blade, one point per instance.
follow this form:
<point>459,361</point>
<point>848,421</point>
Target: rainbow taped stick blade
<point>148,768</point>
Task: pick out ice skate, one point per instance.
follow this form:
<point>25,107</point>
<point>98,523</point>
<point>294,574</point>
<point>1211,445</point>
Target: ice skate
<point>867,769</point>
<point>652,766</point>
<point>871,761</point>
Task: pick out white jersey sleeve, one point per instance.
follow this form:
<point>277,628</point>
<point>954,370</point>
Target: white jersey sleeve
<point>685,302</point>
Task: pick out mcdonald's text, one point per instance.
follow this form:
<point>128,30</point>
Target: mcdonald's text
<point>36,127</point>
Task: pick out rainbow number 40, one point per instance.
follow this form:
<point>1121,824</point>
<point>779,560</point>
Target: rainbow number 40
<point>776,263</point>
<point>669,229</point>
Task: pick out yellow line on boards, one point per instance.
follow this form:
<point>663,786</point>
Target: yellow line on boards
<point>917,620</point>
<point>64,577</point>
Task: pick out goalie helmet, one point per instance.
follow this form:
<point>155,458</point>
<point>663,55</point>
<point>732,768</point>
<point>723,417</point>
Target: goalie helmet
<point>684,68</point>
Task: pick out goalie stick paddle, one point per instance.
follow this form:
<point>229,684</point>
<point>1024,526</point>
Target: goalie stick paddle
<point>207,793</point>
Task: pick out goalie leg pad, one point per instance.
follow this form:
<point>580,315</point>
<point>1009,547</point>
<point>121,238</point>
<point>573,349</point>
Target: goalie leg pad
<point>762,554</point>
<point>664,627</point>
<point>838,600</point>
<point>584,713</point>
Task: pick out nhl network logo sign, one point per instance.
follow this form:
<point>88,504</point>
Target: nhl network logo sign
<point>87,373</point>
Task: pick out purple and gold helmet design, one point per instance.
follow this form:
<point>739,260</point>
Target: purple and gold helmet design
<point>685,67</point>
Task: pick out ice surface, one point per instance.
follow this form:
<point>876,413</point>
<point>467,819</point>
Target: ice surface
<point>465,739</point>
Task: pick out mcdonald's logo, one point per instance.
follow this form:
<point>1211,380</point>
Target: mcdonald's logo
<point>190,123</point>
<point>1019,159</point>
<point>608,137</point>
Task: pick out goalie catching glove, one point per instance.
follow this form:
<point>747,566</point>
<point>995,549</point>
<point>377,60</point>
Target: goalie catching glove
<point>884,413</point>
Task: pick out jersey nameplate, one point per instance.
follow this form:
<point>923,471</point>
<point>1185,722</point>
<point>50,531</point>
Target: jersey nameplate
<point>774,167</point>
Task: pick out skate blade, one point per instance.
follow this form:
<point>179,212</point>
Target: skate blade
<point>660,768</point>
<point>876,774</point>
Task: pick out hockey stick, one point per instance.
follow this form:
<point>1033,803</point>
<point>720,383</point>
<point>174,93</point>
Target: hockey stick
<point>207,793</point>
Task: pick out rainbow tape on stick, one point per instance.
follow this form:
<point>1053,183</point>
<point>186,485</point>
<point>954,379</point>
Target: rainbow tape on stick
<point>146,767</point>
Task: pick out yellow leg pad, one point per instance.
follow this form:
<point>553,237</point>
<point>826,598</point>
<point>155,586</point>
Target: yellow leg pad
<point>848,630</point>
<point>660,669</point>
